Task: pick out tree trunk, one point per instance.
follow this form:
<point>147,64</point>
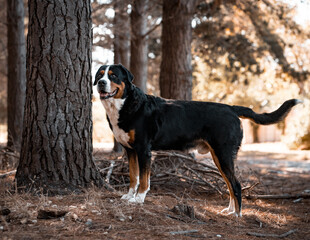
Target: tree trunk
<point>121,43</point>
<point>138,45</point>
<point>176,69</point>
<point>56,153</point>
<point>16,72</point>
<point>121,34</point>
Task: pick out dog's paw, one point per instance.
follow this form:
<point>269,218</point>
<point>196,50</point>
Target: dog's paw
<point>140,197</point>
<point>132,200</point>
<point>228,211</point>
<point>128,195</point>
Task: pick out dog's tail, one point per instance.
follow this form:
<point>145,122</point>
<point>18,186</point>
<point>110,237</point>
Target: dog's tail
<point>266,118</point>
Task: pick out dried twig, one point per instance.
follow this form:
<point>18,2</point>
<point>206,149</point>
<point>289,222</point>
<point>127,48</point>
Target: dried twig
<point>249,187</point>
<point>183,232</point>
<point>283,196</point>
<point>4,175</point>
<point>107,179</point>
<point>272,235</point>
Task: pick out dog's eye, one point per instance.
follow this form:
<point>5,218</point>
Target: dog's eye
<point>113,75</point>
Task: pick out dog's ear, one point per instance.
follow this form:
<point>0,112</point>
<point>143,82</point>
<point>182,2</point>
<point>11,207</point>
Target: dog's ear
<point>97,76</point>
<point>130,77</point>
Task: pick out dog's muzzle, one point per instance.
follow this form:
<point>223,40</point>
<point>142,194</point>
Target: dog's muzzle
<point>103,91</point>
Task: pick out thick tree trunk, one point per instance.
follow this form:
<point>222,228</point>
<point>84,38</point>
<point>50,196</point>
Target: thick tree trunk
<point>176,69</point>
<point>56,150</point>
<point>121,43</point>
<point>138,45</point>
<point>16,72</point>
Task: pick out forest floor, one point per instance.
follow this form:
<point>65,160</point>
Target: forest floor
<point>173,211</point>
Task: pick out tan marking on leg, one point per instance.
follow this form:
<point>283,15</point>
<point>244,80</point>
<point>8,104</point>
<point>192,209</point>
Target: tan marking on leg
<point>133,170</point>
<point>131,136</point>
<point>233,199</point>
<point>144,187</point>
<point>133,175</point>
<point>145,181</point>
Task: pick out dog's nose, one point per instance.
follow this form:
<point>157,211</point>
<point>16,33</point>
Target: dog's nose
<point>102,83</point>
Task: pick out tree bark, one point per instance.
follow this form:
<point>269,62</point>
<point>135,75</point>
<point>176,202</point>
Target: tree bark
<point>121,43</point>
<point>56,153</point>
<point>121,34</point>
<point>138,45</point>
<point>16,72</point>
<point>176,69</point>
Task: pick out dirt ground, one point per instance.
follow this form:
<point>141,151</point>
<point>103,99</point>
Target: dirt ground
<point>170,211</point>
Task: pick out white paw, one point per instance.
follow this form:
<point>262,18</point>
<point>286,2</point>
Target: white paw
<point>228,211</point>
<point>140,197</point>
<point>132,200</point>
<point>128,195</point>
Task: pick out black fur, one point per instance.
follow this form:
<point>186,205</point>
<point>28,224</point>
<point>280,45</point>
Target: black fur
<point>161,124</point>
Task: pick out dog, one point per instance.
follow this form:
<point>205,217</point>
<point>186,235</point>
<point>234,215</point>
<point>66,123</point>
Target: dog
<point>142,123</point>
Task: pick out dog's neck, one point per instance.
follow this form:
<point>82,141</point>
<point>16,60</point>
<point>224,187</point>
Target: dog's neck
<point>112,107</point>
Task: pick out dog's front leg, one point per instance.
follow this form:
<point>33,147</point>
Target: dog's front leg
<point>133,175</point>
<point>144,159</point>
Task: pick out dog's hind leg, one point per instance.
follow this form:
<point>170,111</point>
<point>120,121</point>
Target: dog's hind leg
<point>133,174</point>
<point>223,157</point>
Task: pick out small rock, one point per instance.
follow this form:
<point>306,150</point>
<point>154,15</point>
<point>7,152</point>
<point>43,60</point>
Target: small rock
<point>34,221</point>
<point>24,221</point>
<point>111,201</point>
<point>54,206</point>
<point>72,216</point>
<point>1,228</point>
<point>219,235</point>
<point>121,217</point>
<point>307,191</point>
<point>83,207</point>
<point>297,200</point>
<point>72,207</point>
<point>89,222</point>
<point>130,217</point>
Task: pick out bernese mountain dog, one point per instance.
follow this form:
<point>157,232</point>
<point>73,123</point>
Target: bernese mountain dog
<point>142,123</point>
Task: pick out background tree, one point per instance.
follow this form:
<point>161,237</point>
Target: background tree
<point>57,135</point>
<point>121,42</point>
<point>16,71</point>
<point>139,43</point>
<point>176,67</point>
<point>3,63</point>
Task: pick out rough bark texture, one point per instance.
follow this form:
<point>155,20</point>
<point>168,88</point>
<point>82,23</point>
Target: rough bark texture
<point>16,72</point>
<point>121,43</point>
<point>138,45</point>
<point>176,68</point>
<point>121,34</point>
<point>57,135</point>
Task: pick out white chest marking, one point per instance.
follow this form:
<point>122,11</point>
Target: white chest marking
<point>112,107</point>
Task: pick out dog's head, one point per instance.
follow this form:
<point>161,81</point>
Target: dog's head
<point>113,81</point>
